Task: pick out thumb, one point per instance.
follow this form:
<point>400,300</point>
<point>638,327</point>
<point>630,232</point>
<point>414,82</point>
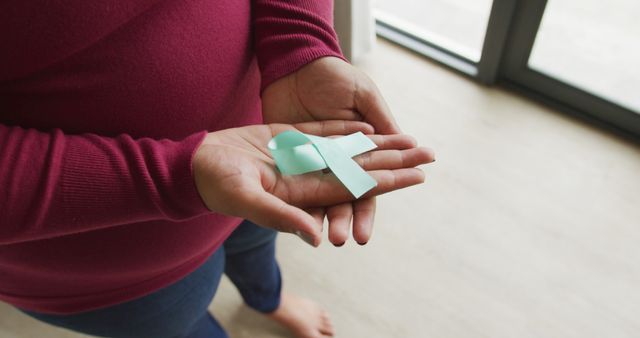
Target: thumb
<point>269,211</point>
<point>374,109</point>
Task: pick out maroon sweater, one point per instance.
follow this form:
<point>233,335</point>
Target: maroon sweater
<point>102,105</point>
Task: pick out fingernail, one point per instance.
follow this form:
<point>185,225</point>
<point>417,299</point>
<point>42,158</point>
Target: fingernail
<point>339,245</point>
<point>305,237</point>
<point>362,243</point>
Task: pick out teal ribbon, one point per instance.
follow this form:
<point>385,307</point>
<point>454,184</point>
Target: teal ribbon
<point>297,153</point>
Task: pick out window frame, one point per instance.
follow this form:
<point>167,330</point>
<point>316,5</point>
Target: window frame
<point>511,32</point>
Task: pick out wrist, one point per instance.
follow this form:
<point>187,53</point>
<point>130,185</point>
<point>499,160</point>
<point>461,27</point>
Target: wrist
<point>199,166</point>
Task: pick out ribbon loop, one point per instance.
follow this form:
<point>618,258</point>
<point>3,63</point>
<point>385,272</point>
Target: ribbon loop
<point>297,153</point>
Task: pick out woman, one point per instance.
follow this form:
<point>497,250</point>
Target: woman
<point>131,148</point>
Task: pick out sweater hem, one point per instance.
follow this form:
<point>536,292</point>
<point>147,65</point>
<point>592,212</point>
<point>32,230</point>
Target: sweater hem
<point>85,303</point>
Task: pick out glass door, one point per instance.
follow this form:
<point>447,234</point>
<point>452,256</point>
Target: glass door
<point>449,31</point>
<point>592,45</point>
<point>456,25</point>
<point>580,56</point>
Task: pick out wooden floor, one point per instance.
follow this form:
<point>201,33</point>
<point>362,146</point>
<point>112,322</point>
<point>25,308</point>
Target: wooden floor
<point>528,226</point>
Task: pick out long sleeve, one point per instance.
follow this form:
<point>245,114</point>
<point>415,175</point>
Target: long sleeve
<point>292,33</point>
<point>102,106</point>
<point>52,184</point>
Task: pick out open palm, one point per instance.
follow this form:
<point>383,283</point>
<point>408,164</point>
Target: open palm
<point>331,89</point>
<point>236,175</point>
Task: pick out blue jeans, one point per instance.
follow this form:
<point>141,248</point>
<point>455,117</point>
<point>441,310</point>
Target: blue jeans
<point>180,310</point>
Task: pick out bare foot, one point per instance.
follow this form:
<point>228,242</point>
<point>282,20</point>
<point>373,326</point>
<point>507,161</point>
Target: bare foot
<point>302,316</point>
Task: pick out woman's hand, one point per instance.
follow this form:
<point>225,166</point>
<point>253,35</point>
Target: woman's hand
<point>235,175</point>
<point>332,89</point>
<point>327,89</point>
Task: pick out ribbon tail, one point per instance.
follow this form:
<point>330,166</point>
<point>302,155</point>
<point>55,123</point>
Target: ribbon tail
<point>352,176</point>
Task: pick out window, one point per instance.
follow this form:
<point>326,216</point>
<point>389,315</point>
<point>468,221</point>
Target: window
<point>578,55</point>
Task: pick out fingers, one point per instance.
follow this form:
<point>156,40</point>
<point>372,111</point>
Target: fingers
<point>374,109</point>
<point>394,152</point>
<point>318,214</point>
<point>360,213</point>
<point>314,190</point>
<point>341,127</point>
<point>364,211</point>
<point>396,141</point>
<point>272,212</point>
<point>394,159</point>
<point>345,114</point>
<point>329,127</point>
<point>390,180</point>
<point>339,217</point>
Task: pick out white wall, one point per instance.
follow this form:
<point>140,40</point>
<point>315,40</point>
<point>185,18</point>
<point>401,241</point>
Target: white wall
<point>354,24</point>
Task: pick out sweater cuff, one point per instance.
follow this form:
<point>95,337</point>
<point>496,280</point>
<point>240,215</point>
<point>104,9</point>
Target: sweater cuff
<point>291,33</point>
<point>293,61</point>
<point>186,199</point>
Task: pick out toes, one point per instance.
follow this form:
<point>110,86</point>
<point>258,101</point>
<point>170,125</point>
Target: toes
<point>308,321</point>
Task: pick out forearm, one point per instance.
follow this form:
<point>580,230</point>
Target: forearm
<point>52,184</point>
<point>292,33</point>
